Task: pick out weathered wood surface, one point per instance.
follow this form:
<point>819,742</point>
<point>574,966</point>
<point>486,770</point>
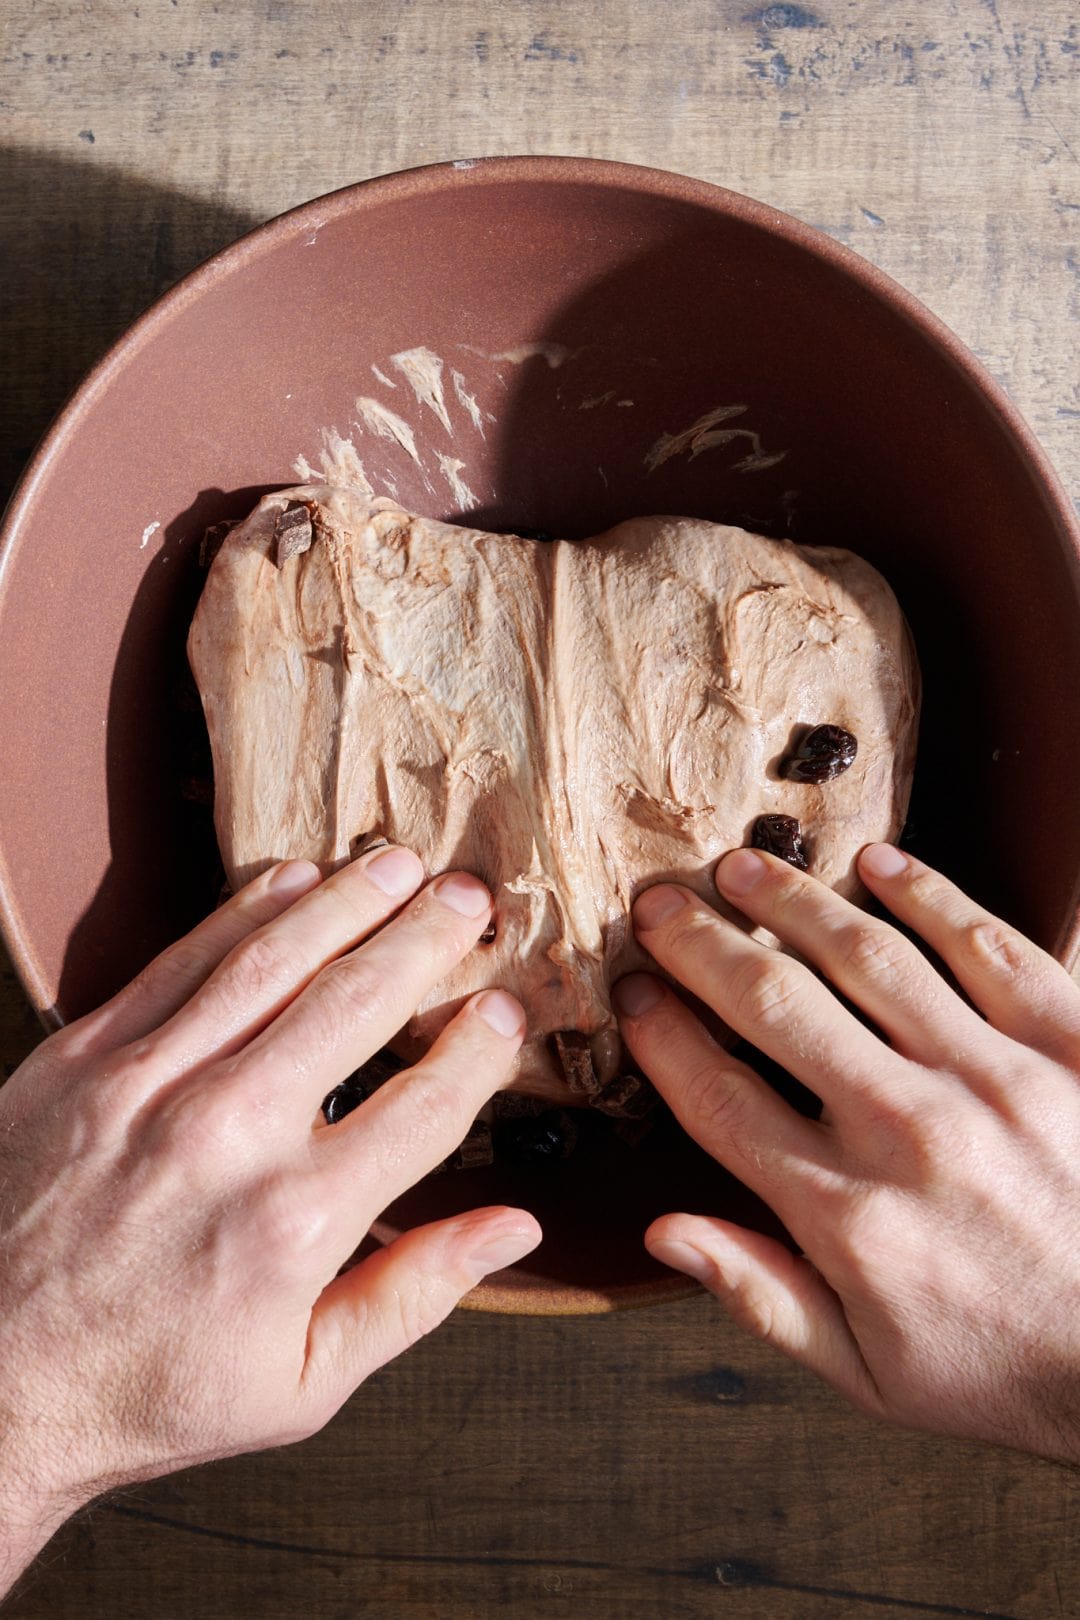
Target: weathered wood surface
<point>657,1464</point>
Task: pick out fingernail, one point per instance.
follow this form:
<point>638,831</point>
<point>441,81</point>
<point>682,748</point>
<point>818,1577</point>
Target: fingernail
<point>740,871</point>
<point>681,1257</point>
<point>636,993</point>
<point>464,894</point>
<point>502,1250</point>
<point>657,905</point>
<point>883,860</point>
<point>501,1012</point>
<point>396,872</point>
<point>294,877</point>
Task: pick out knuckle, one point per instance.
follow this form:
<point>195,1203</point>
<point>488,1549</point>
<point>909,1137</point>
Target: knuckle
<point>927,889</point>
<point>291,1220</point>
<point>182,965</point>
<point>719,1098</point>
<point>421,1308</point>
<point>683,935</point>
<point>439,1102</point>
<point>69,1044</point>
<point>263,965</point>
<point>990,944</point>
<point>358,985</point>
<point>765,993</point>
<point>873,953</point>
<point>203,1125</point>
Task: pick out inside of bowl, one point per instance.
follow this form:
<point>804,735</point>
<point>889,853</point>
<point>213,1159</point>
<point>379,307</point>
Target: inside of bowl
<point>540,349</point>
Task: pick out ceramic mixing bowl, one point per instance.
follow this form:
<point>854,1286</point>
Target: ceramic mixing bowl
<point>613,341</point>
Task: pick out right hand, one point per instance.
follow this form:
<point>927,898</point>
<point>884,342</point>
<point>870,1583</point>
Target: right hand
<point>936,1203</point>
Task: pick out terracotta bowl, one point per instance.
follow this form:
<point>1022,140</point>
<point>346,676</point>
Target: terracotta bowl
<point>583,311</point>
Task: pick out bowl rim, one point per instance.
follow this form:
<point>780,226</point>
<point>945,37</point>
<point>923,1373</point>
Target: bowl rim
<point>608,174</point>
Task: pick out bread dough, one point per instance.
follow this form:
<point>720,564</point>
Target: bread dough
<point>572,721</point>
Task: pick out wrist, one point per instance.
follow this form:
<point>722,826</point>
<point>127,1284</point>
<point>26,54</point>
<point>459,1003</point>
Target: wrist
<point>32,1508</point>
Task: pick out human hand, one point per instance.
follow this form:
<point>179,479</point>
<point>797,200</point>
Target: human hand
<point>175,1211</point>
<point>937,1200</point>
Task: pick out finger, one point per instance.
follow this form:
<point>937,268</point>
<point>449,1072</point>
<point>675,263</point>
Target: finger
<point>1020,989</point>
<point>359,1002</point>
<point>172,978</point>
<point>420,1116</point>
<point>271,966</point>
<point>777,1296</point>
<point>721,1102</point>
<point>776,1003</point>
<point>872,963</point>
<point>393,1298</point>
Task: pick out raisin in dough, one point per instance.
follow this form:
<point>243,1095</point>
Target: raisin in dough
<point>573,721</point>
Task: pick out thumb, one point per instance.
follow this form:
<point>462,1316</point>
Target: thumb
<point>403,1291</point>
<point>779,1297</point>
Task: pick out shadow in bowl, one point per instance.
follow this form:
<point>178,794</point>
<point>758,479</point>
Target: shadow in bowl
<point>619,342</point>
<point>155,719</point>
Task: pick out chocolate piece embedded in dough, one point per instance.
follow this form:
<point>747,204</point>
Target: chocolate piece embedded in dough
<point>574,1052</point>
<point>293,533</point>
<point>781,836</point>
<point>571,721</point>
<point>824,753</point>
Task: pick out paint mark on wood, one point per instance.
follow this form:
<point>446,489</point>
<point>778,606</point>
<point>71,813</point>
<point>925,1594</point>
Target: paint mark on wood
<point>544,49</point>
<point>783,16</point>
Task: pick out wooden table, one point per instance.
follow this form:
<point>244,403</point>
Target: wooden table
<point>654,1464</point>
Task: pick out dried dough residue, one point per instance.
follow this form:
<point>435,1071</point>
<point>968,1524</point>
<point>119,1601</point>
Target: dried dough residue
<point>423,370</point>
<point>469,402</point>
<point>339,462</point>
<point>451,471</point>
<point>387,425</point>
<point>706,434</point>
<point>556,354</point>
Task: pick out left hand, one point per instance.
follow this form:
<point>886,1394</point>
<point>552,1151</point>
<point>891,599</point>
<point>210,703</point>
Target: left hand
<point>936,1202</point>
<point>176,1214</point>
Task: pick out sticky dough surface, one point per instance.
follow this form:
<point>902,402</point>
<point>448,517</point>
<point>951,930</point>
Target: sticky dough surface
<point>573,721</point>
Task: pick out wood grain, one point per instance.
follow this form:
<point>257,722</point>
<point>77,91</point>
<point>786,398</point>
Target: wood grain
<point>657,1464</point>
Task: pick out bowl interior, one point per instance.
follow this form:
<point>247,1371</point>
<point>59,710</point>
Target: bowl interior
<point>584,316</point>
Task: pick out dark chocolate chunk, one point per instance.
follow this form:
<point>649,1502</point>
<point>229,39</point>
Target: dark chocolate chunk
<point>547,1139</point>
<point>574,1053</point>
<point>293,532</point>
<point>360,1085</point>
<point>628,1096</point>
<point>780,835</point>
<point>824,753</point>
<point>344,1098</point>
<point>476,1150</point>
<point>515,1105</point>
<point>380,1068</point>
<point>211,542</point>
